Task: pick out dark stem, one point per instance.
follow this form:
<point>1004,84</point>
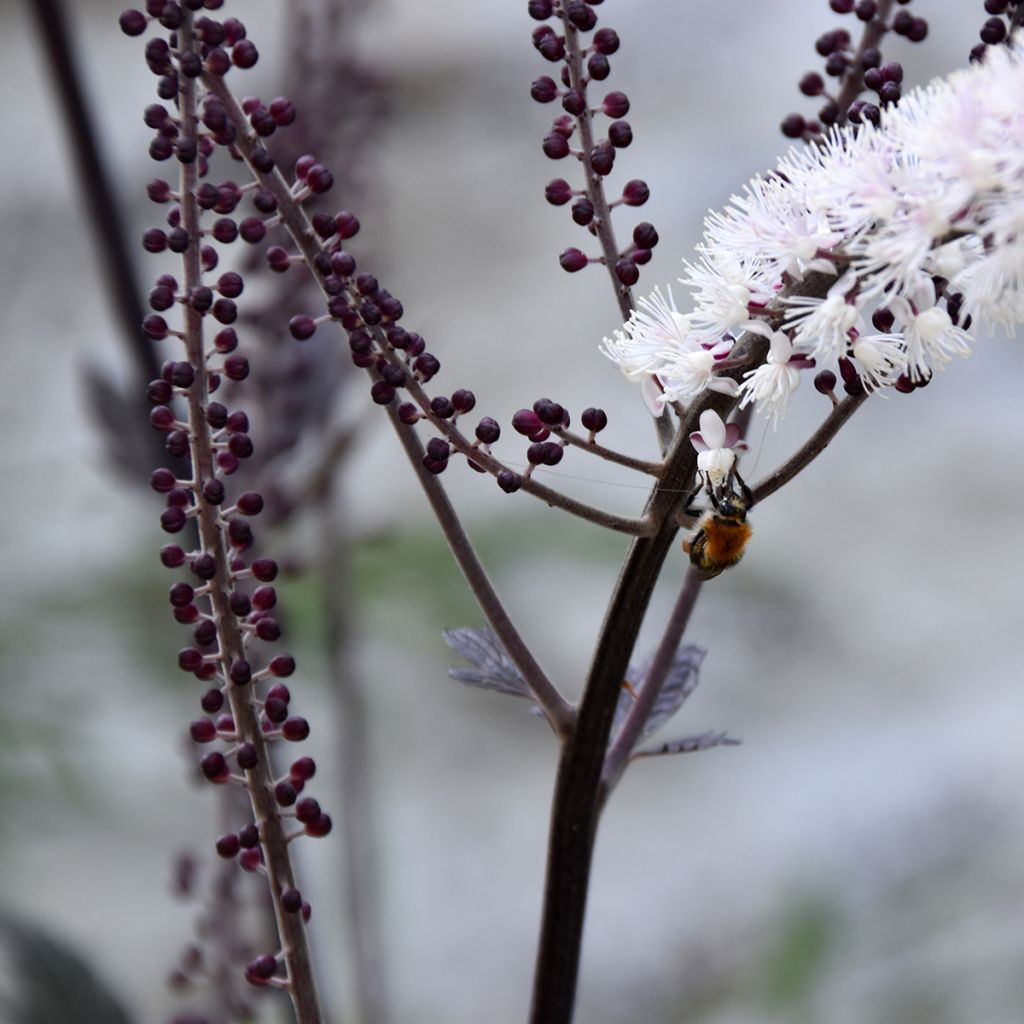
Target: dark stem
<point>853,80</point>
<point>632,726</point>
<point>576,805</point>
<point>608,454</point>
<point>812,448</point>
<point>106,221</point>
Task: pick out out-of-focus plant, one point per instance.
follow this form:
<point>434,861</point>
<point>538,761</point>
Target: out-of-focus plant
<point>901,214</point>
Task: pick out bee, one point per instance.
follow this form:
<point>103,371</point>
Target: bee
<point>721,534</point>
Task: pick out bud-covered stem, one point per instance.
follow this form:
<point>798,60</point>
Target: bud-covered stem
<point>260,779</point>
<point>595,185</point>
<point>853,80</point>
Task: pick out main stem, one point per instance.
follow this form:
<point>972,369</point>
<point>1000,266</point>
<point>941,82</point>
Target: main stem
<point>576,805</point>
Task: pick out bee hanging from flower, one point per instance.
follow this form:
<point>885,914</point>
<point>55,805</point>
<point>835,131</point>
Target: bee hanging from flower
<point>721,534</point>
<point>720,537</point>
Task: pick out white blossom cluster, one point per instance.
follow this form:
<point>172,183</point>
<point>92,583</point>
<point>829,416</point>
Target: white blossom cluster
<point>920,220</point>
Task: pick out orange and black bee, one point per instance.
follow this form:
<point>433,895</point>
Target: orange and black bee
<point>720,537</point>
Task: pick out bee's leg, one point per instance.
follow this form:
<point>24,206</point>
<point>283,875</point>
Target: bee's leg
<point>692,497</point>
<point>748,495</point>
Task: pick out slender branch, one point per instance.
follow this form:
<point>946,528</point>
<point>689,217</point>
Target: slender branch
<point>608,454</point>
<point>632,726</point>
<point>559,712</point>
<point>259,780</point>
<point>595,184</point>
<point>812,448</point>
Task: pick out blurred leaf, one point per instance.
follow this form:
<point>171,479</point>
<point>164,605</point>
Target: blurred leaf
<point>691,744</point>
<point>49,983</point>
<point>680,682</point>
<point>494,670</point>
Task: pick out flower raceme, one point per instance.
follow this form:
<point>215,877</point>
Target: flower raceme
<point>920,220</point>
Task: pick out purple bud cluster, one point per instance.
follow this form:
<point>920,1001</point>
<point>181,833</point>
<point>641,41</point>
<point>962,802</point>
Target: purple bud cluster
<point>854,74</point>
<point>227,599</point>
<point>1004,17</point>
<point>581,66</point>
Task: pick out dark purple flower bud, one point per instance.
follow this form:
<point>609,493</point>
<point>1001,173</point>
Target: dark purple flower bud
<point>426,365</point>
<point>382,392</point>
<point>282,666</point>
<point>172,520</point>
<point>540,10</point>
<point>812,84</point>
<point>635,192</point>
<point>284,793</point>
<point>793,126</point>
<point>212,701</point>
<point>555,146</point>
<point>133,23</point>
<point>488,431</point>
<point>598,67</point>
<point>438,449</point>
<point>204,566</point>
<point>268,630</point>
<point>509,482</point>
<point>572,259</point>
<point>244,54</point>
<point>246,757</point>
<point>616,104</point>
<point>202,730</point>
<point>627,271</point>
<point>303,768</point>
<point>302,327</point>
<point>544,89</point>
<point>602,158</point>
<point>291,900</point>
<point>606,41</point>
<point>825,382</point>
<point>295,729</point>
<point>583,211</point>
<point>227,846</point>
<point>594,420</point>
<point>173,557</point>
<point>558,192</point>
<point>581,15</point>
<point>321,827</point>
<point>620,134</point>
<point>215,767</point>
<point>408,414</point>
<point>250,503</point>
<point>240,672</point>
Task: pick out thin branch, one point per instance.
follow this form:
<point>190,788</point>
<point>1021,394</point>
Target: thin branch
<point>812,448</point>
<point>608,454</point>
<point>632,726</point>
<point>558,711</point>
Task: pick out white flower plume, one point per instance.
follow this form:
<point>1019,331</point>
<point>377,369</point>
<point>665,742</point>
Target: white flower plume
<point>924,216</point>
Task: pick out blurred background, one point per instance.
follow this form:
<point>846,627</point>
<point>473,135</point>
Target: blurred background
<point>858,857</point>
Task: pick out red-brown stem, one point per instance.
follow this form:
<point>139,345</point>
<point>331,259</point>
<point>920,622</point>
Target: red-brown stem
<point>609,455</point>
<point>259,780</point>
